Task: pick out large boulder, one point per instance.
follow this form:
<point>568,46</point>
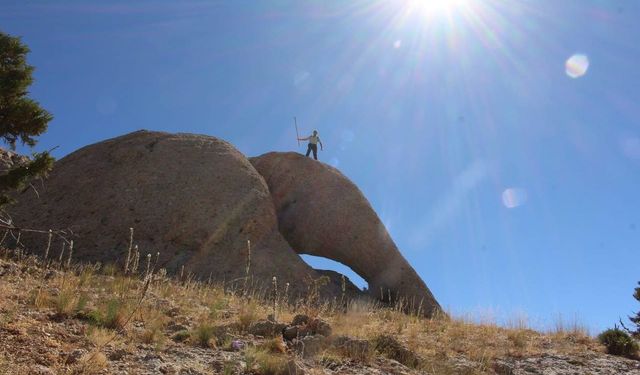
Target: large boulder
<point>193,198</point>
<point>321,212</point>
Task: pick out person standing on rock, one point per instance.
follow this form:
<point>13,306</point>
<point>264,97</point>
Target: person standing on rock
<point>313,139</point>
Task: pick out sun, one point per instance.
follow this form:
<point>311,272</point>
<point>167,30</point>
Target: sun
<point>431,8</point>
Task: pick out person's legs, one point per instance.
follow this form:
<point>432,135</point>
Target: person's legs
<point>308,149</point>
<point>315,151</point>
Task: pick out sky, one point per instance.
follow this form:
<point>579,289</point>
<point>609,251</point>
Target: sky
<point>498,140</point>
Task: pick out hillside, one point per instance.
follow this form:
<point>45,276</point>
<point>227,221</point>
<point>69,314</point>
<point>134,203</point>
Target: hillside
<point>91,319</point>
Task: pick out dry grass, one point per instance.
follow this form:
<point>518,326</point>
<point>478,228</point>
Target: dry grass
<point>99,336</point>
<point>274,345</point>
<point>4,365</point>
<point>248,312</point>
<point>154,324</point>
<point>204,335</point>
<point>437,339</point>
<point>265,362</point>
<point>90,364</point>
<point>105,300</point>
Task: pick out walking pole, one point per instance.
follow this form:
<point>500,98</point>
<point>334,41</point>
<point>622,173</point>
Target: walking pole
<point>295,122</point>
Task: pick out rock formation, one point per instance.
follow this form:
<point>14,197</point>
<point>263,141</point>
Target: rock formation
<point>195,199</point>
<point>321,212</point>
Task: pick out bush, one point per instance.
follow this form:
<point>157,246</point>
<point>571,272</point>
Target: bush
<point>618,342</point>
<point>636,319</point>
<point>248,314</point>
<point>112,315</point>
<point>203,335</point>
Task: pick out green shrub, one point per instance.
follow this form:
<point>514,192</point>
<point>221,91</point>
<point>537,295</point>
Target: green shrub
<point>218,307</point>
<point>618,342</point>
<point>63,303</point>
<point>111,314</point>
<point>83,299</point>
<point>636,319</point>
<point>203,335</point>
<point>115,314</point>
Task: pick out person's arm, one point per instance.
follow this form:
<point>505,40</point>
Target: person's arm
<point>319,141</point>
<point>304,139</point>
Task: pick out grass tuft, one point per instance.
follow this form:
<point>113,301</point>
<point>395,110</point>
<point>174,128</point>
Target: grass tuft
<point>265,362</point>
<point>204,335</point>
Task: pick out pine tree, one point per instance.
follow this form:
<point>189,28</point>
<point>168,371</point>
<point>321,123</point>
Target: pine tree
<point>636,319</point>
<point>21,118</point>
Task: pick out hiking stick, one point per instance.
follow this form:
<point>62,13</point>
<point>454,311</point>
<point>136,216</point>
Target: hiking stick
<point>295,122</point>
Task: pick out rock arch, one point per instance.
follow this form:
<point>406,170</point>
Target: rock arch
<point>321,212</point>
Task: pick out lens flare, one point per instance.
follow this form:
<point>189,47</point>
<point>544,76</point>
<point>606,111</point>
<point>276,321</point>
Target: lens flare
<point>576,66</point>
<point>514,197</point>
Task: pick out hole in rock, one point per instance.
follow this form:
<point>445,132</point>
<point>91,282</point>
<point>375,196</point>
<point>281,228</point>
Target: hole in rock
<point>321,263</point>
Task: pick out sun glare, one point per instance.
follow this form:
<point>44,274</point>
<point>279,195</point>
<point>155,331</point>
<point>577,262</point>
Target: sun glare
<point>431,8</point>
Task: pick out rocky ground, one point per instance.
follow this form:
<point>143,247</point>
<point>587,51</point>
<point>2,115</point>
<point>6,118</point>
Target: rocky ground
<point>93,320</point>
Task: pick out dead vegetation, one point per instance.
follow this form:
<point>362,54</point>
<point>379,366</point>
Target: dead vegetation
<point>88,319</point>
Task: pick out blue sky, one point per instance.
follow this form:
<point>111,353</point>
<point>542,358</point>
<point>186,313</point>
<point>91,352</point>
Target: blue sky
<point>510,185</point>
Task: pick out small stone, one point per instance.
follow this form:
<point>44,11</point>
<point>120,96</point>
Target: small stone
<point>300,320</point>
<point>168,369</point>
<point>16,331</point>
<point>8,269</point>
<point>290,333</point>
<point>50,274</point>
<point>320,327</point>
<point>41,370</point>
<point>117,354</point>
<point>75,355</point>
<point>152,356</point>
<point>502,368</point>
<point>266,328</point>
<point>310,346</point>
<point>190,371</point>
<point>175,327</point>
<point>173,312</point>
<point>394,349</point>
